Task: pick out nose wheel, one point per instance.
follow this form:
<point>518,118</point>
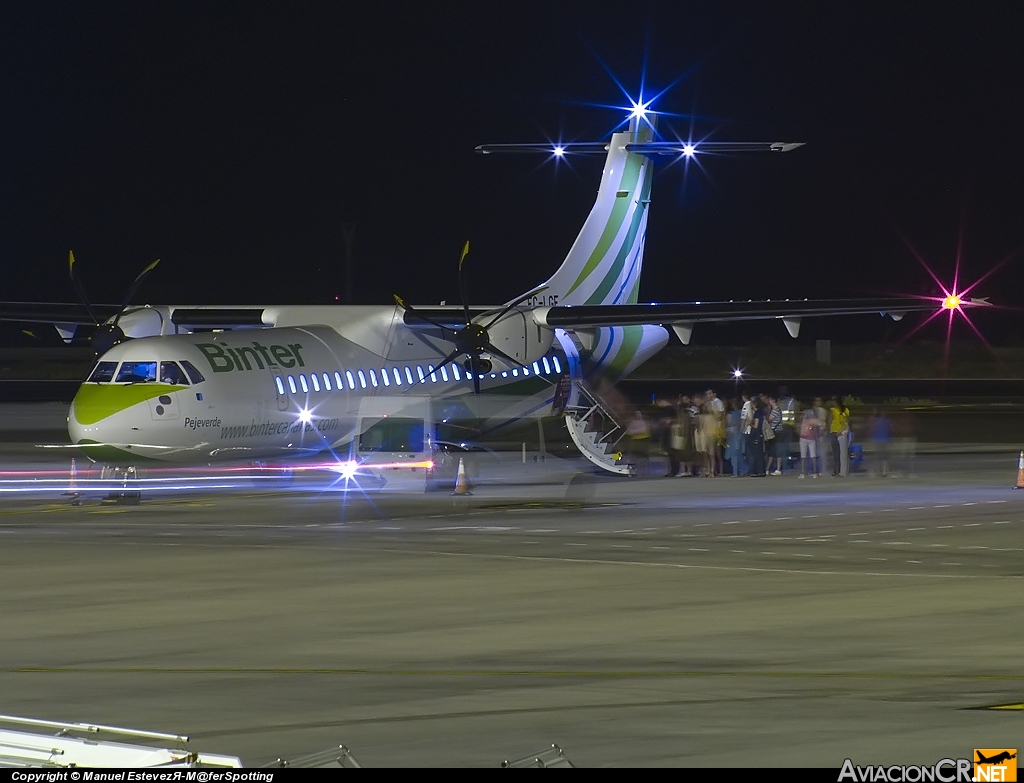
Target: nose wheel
<point>127,478</point>
<point>266,476</point>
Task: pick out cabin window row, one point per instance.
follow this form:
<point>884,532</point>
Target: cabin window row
<point>358,379</point>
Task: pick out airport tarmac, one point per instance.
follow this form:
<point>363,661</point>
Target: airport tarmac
<point>634,622</point>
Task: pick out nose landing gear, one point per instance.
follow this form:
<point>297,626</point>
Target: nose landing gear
<point>266,476</point>
<point>127,478</point>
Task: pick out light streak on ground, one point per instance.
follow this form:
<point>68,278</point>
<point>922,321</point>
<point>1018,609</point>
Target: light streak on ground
<point>323,476</point>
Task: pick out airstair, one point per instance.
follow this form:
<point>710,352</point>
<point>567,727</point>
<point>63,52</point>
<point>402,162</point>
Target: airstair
<point>69,745</point>
<point>59,744</point>
<point>91,745</point>
<point>595,430</point>
<point>549,758</point>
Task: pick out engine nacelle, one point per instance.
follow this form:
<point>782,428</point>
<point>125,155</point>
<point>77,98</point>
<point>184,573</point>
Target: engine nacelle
<point>143,322</point>
<point>518,335</point>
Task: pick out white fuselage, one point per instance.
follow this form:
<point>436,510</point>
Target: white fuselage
<point>269,393</point>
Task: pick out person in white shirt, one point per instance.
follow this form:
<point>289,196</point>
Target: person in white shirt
<point>746,417</point>
<point>747,413</point>
<point>712,399</point>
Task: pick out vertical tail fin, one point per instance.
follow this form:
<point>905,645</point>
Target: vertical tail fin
<point>603,266</point>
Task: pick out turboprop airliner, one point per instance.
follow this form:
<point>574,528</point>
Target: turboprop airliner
<point>371,384</point>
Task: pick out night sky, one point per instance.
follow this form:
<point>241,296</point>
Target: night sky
<point>233,141</point>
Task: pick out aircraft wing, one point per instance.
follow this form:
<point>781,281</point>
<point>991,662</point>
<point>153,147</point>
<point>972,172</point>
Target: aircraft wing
<point>685,314</point>
<point>675,148</point>
<point>54,313</point>
<point>215,316</point>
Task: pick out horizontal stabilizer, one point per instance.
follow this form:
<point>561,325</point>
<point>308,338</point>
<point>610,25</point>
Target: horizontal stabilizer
<point>642,147</point>
<point>701,147</point>
<point>573,148</point>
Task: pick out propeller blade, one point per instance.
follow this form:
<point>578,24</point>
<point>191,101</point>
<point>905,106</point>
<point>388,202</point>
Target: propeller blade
<point>462,281</point>
<point>448,358</point>
<point>474,370</point>
<point>437,367</point>
<point>409,308</point>
<point>504,356</point>
<point>79,288</point>
<point>132,289</point>
<point>512,305</point>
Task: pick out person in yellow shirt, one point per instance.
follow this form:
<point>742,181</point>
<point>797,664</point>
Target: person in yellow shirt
<point>839,437</point>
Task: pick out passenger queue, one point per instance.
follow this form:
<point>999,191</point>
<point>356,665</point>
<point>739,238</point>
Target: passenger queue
<point>753,435</point>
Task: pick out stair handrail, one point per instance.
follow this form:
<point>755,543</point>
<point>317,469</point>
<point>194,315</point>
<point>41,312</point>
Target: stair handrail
<point>599,404</point>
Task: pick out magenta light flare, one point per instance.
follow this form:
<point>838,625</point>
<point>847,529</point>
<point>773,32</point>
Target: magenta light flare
<point>949,332</point>
<point>954,299</point>
<point>999,265</point>
<point>921,325</point>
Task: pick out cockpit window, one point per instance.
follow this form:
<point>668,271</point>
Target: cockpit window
<point>137,372</point>
<point>104,372</point>
<point>193,374</point>
<point>171,373</point>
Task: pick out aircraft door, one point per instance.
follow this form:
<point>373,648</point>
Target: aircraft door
<point>280,389</point>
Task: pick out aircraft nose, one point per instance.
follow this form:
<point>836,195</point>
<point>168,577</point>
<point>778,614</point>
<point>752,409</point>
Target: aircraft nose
<point>84,419</point>
<point>75,430</point>
<point>97,420</point>
<point>87,422</point>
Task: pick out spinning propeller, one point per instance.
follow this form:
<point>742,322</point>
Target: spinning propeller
<point>472,340</point>
<point>106,335</point>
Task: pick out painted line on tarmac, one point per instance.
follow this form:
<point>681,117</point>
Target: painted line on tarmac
<point>427,672</point>
<point>684,566</point>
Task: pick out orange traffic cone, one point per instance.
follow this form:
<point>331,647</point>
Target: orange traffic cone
<point>461,484</point>
<point>1020,472</point>
<point>72,491</point>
